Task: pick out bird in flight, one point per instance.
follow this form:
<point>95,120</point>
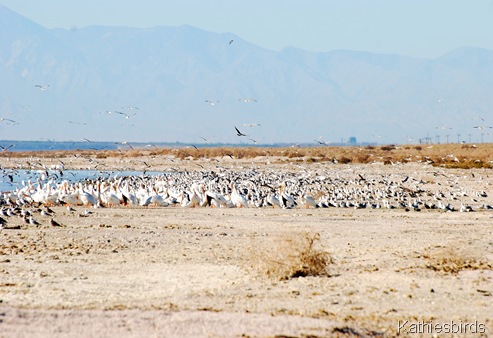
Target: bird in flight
<point>78,123</point>
<point>6,148</point>
<point>239,133</point>
<point>8,120</point>
<point>231,41</point>
<point>247,100</point>
<point>482,127</point>
<point>42,87</point>
<point>251,125</point>
<point>212,103</point>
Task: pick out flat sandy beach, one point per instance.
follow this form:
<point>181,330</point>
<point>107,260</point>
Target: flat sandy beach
<point>200,272</point>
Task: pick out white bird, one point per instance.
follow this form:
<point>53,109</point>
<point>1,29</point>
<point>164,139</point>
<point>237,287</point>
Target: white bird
<point>308,201</point>
<point>212,103</point>
<point>251,125</point>
<point>238,199</point>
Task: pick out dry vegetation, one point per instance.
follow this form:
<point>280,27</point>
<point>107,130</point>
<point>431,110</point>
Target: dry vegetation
<point>462,156</point>
<point>450,261</point>
<point>289,256</point>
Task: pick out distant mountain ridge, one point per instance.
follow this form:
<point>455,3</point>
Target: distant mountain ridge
<point>170,72</point>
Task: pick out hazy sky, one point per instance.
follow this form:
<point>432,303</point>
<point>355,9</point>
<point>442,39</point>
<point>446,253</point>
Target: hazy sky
<point>420,28</point>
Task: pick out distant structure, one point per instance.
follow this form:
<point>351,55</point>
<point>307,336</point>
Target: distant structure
<point>352,141</point>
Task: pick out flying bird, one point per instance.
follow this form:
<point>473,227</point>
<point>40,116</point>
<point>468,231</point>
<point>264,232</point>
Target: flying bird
<point>482,127</point>
<point>78,123</point>
<point>251,125</point>
<point>239,133</point>
<point>212,103</point>
<point>231,41</point>
<point>247,100</point>
<point>7,120</point>
<point>42,87</point>
<point>6,148</point>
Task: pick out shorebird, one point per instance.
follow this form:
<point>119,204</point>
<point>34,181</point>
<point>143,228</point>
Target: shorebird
<point>239,133</point>
<point>55,223</point>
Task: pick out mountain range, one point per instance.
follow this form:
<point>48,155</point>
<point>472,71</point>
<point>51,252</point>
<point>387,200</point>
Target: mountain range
<point>168,84</point>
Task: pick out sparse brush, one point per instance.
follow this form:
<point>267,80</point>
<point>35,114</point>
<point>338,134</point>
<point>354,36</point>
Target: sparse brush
<point>451,261</point>
<point>289,256</point>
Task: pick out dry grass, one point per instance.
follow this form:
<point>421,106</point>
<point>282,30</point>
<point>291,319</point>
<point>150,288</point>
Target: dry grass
<point>451,261</point>
<point>289,256</point>
<point>446,155</point>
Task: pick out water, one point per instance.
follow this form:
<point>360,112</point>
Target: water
<point>12,179</point>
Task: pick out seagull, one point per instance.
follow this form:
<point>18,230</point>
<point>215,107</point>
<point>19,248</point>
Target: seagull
<point>203,138</point>
<point>42,87</point>
<point>251,125</point>
<point>212,103</point>
<point>78,123</point>
<point>239,133</point>
<point>8,120</point>
<point>247,100</point>
<point>482,127</point>
<point>127,116</point>
<point>6,148</point>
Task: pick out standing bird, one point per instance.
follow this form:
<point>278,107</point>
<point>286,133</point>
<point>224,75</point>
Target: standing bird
<point>55,223</point>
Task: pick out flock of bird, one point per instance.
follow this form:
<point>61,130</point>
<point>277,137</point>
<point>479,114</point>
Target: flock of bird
<point>245,189</point>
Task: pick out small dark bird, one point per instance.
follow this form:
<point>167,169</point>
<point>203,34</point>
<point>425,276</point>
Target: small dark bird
<point>55,223</point>
<point>239,133</point>
<point>231,41</point>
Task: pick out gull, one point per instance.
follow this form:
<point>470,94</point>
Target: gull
<point>42,87</point>
<point>443,128</point>
<point>6,148</point>
<point>482,127</point>
<point>239,133</point>
<point>203,138</point>
<point>251,125</point>
<point>247,100</point>
<point>7,120</point>
<point>131,108</point>
<point>127,116</point>
<point>125,143</point>
<point>78,123</point>
<point>212,103</point>
<point>251,139</point>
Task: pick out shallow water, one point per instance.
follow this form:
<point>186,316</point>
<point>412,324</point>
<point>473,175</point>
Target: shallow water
<point>13,179</point>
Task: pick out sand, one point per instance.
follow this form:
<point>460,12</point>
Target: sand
<point>175,272</point>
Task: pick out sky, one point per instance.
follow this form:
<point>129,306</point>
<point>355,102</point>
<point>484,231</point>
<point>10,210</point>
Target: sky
<point>417,28</point>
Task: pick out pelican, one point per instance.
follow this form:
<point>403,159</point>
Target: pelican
<point>238,199</point>
<point>286,201</point>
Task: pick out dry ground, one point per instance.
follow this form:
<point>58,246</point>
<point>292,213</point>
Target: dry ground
<point>199,272</point>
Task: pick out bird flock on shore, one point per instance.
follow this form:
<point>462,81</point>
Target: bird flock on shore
<point>327,188</point>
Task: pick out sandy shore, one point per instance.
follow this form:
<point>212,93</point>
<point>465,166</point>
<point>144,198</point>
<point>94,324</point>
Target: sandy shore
<point>172,271</point>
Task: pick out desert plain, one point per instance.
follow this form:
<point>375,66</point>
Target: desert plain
<point>225,272</point>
